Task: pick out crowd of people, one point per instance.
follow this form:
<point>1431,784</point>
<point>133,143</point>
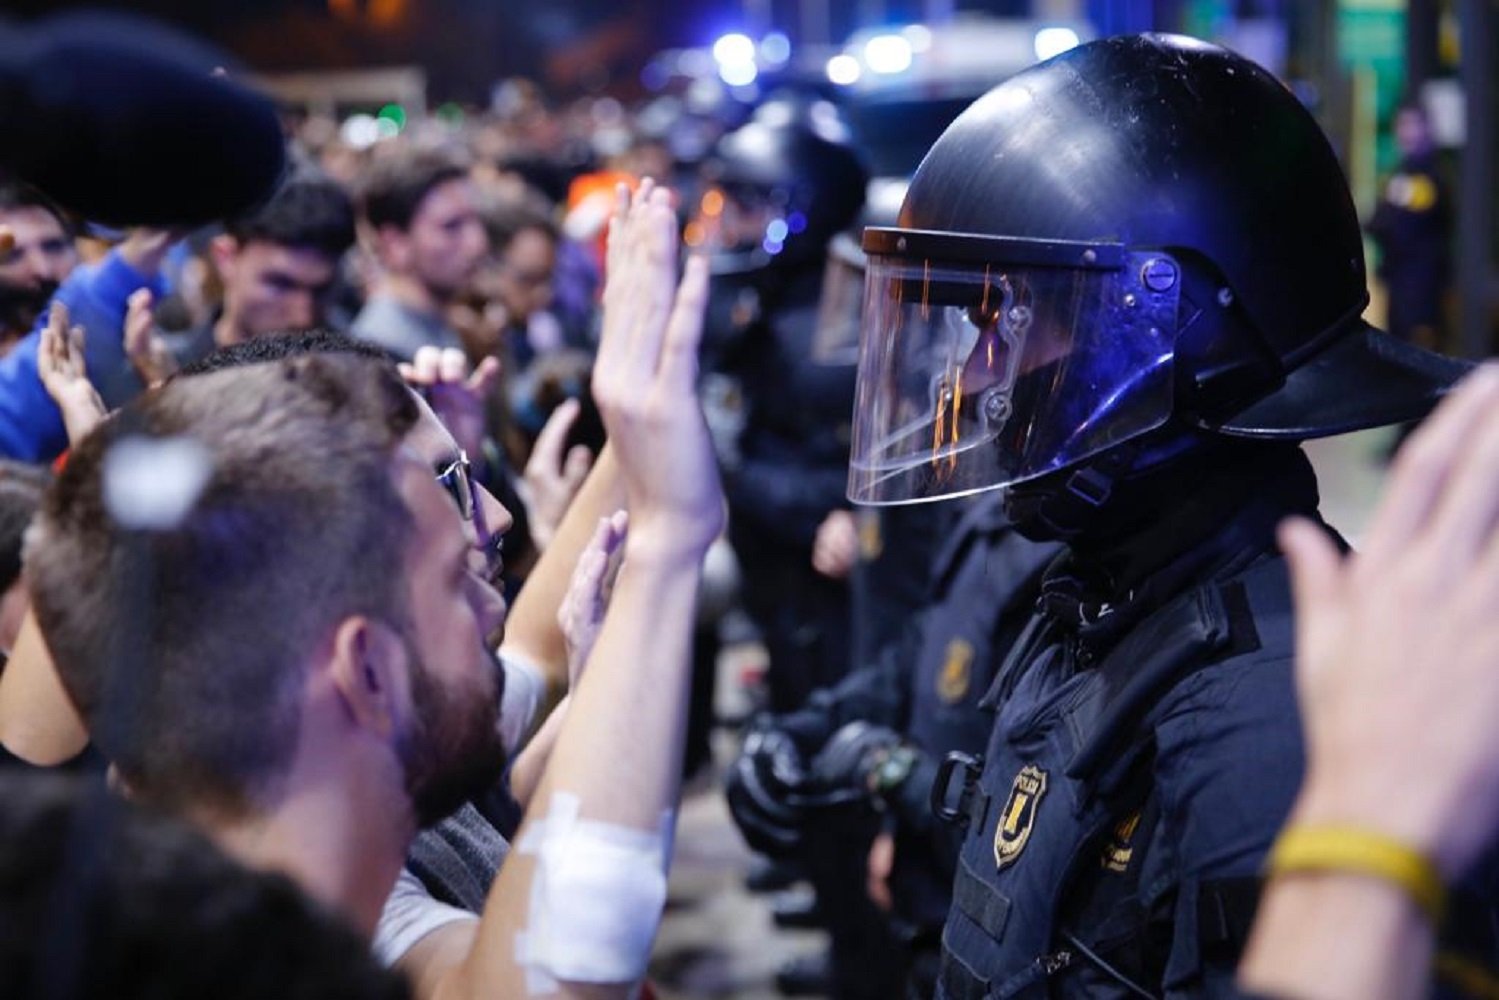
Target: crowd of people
<point>357,636</point>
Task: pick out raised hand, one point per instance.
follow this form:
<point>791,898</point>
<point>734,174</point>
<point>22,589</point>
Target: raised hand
<point>645,378</point>
<point>581,616</point>
<point>550,481</point>
<point>144,348</point>
<point>61,368</point>
<point>1397,647</point>
<point>457,395</point>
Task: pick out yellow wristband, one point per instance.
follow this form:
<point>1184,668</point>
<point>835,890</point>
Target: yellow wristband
<point>1348,849</point>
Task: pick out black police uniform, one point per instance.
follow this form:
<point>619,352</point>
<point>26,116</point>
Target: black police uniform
<point>787,477</point>
<point>1144,752</point>
<point>925,685</point>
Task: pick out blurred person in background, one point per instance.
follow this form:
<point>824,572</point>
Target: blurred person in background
<point>36,254</point>
<point>420,213</point>
<point>96,297</point>
<point>1412,227</point>
<point>278,266</point>
<point>516,276</point>
<point>21,489</point>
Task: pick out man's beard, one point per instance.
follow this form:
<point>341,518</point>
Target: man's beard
<point>22,305</point>
<point>455,751</point>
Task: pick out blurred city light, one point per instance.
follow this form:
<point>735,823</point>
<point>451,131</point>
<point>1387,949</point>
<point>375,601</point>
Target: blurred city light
<point>738,74</point>
<point>844,69</point>
<point>734,49</point>
<point>775,48</point>
<point>1054,41</point>
<point>395,115</point>
<point>920,37</point>
<point>735,55</point>
<point>888,54</point>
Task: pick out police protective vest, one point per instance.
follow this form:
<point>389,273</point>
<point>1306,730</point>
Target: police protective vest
<point>984,581</point>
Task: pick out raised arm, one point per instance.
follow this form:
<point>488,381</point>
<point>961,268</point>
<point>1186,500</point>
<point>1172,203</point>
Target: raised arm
<point>576,906</point>
<point>1397,673</point>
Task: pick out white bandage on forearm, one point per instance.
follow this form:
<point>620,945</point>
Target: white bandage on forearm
<point>596,898</point>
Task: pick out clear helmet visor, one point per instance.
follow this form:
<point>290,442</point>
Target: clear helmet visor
<point>840,307</point>
<point>977,373</point>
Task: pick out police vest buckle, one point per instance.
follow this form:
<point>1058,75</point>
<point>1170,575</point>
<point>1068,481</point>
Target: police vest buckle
<point>958,812</point>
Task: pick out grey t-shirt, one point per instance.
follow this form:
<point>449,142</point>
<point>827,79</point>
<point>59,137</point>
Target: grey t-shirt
<point>400,329</point>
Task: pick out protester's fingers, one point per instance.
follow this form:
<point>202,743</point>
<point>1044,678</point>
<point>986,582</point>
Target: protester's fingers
<point>1316,568</point>
<point>1421,468</point>
<point>138,314</point>
<point>619,530</point>
<point>547,452</point>
<point>424,365</point>
<point>685,331</point>
<point>452,366</point>
<point>619,533</point>
<point>75,349</point>
<point>659,286</point>
<point>590,573</point>
<point>485,377</point>
<point>575,468</point>
<point>47,349</point>
<point>1468,508</point>
<point>620,298</point>
<point>614,245</point>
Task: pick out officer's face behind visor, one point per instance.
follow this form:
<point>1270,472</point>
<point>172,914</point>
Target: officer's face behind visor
<point>986,362</point>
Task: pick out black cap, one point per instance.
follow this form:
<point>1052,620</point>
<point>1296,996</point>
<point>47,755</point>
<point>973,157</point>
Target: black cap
<point>130,123</point>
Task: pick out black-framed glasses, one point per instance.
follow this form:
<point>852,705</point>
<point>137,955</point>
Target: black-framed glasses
<point>458,480</point>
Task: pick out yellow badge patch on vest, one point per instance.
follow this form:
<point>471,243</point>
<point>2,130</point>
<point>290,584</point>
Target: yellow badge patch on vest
<point>1120,848</point>
<point>957,672</point>
<point>1018,815</point>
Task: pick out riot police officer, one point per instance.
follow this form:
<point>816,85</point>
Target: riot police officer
<point>878,738</point>
<point>782,185</point>
<point>1125,285</point>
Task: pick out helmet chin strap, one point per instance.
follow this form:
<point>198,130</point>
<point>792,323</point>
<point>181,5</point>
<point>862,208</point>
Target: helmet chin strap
<point>1107,494</point>
<point>1063,505</point>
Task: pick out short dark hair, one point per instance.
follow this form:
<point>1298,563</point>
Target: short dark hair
<point>280,346</point>
<point>310,211</point>
<point>21,490</point>
<point>394,187</point>
<point>16,195</point>
<point>506,218</point>
<point>298,527</point>
<point>163,913</point>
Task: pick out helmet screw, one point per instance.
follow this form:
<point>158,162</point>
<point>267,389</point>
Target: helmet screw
<point>1225,297</point>
<point>1158,274</point>
<point>1130,300</point>
<point>900,244</point>
<point>1090,256</point>
<point>1020,318</point>
<point>996,407</point>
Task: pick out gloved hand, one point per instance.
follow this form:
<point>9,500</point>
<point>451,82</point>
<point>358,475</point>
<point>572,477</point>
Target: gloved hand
<point>852,759</point>
<point>765,788</point>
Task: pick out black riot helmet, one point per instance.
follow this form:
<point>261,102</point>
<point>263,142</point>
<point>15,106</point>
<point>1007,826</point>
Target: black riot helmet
<point>1142,242</point>
<point>790,178</point>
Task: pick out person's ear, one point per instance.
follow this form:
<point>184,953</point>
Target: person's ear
<point>372,675</point>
